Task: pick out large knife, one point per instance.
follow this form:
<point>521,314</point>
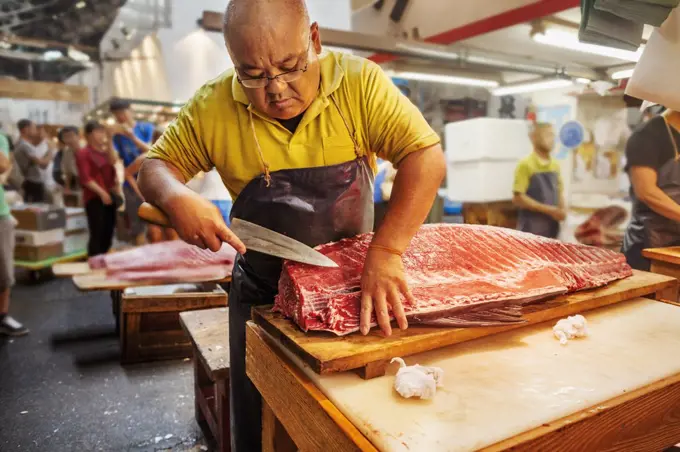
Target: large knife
<point>256,238</point>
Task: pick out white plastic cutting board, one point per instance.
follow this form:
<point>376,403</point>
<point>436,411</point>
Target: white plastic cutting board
<point>503,385</point>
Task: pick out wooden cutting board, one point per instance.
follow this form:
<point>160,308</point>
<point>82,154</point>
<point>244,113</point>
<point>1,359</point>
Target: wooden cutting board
<point>502,386</point>
<point>326,353</point>
<point>98,280</point>
<point>68,269</point>
<point>670,255</point>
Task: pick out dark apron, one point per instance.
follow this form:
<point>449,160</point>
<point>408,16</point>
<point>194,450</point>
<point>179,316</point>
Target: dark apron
<point>312,205</point>
<point>648,229</point>
<point>544,188</point>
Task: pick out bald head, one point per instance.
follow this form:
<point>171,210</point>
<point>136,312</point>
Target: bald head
<point>246,20</point>
<point>267,39</point>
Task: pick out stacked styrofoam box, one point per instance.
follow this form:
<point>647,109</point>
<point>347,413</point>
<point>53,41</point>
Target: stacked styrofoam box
<point>482,155</point>
<point>77,234</point>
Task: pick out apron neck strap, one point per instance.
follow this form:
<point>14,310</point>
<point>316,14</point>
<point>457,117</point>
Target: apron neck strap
<point>351,132</point>
<point>265,165</point>
<point>672,137</point>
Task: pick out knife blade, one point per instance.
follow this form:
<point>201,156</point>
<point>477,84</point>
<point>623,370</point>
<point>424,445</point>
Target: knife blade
<point>256,238</point>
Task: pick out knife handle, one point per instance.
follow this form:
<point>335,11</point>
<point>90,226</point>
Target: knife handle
<point>153,215</point>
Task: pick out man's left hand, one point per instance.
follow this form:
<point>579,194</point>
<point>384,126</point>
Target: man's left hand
<point>383,283</point>
<point>120,129</point>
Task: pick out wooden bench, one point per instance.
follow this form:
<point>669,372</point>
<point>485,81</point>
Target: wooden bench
<point>209,333</point>
<point>150,323</point>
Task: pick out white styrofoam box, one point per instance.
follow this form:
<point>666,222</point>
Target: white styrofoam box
<point>38,238</point>
<point>76,241</point>
<point>480,181</point>
<point>76,219</point>
<point>74,211</point>
<point>487,138</point>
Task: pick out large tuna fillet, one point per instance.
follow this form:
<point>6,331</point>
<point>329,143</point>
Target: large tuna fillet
<point>458,274</point>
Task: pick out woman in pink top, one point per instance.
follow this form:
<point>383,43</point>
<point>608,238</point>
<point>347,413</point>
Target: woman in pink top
<point>101,189</point>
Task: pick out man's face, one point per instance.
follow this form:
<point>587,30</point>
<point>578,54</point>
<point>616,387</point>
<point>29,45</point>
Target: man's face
<point>32,132</point>
<point>97,138</point>
<point>71,140</point>
<point>544,138</point>
<point>123,116</point>
<point>266,55</point>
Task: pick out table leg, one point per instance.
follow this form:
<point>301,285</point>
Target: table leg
<point>275,438</point>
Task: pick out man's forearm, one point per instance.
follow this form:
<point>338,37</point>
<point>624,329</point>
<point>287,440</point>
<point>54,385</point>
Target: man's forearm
<point>415,188</point>
<point>662,204</point>
<point>523,201</point>
<point>160,182</point>
<point>144,147</point>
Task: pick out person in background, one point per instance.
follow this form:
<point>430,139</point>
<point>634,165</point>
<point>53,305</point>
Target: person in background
<point>101,190</point>
<point>8,325</point>
<point>45,145</point>
<point>65,168</point>
<point>154,233</point>
<point>32,160</point>
<point>130,139</point>
<point>538,186</point>
<point>653,167</point>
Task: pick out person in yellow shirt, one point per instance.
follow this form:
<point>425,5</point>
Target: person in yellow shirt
<point>294,133</point>
<point>538,186</point>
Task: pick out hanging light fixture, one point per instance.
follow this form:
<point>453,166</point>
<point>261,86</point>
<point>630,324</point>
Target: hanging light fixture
<point>531,86</point>
<point>570,41</point>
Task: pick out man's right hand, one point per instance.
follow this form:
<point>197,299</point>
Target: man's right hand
<point>200,222</point>
<point>106,199</point>
<point>558,214</point>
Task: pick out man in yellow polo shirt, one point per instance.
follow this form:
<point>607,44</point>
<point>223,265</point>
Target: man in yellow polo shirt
<point>294,133</point>
<point>538,186</point>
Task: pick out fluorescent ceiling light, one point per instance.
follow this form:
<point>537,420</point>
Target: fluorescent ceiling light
<point>532,86</point>
<point>445,54</point>
<point>618,75</point>
<point>81,5</point>
<point>52,55</point>
<point>566,40</point>
<point>583,80</point>
<point>443,78</point>
<point>77,55</point>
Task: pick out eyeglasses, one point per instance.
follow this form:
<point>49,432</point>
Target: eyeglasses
<point>288,77</point>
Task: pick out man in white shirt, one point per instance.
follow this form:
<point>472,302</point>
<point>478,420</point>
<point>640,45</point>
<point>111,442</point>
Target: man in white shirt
<point>33,159</point>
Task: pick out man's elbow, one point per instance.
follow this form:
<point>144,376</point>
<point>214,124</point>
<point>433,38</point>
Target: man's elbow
<point>434,161</point>
<point>517,200</point>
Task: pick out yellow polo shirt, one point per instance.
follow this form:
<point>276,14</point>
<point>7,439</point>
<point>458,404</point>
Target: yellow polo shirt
<point>213,128</point>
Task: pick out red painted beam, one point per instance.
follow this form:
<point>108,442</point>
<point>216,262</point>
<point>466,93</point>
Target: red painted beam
<point>506,19</point>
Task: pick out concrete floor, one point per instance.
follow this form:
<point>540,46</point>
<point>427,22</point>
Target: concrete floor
<point>62,387</point>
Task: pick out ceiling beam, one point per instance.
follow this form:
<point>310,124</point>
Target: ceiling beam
<point>506,19</point>
<point>20,89</point>
<point>44,43</point>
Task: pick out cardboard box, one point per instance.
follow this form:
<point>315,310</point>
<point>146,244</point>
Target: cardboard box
<point>39,217</point>
<point>76,241</point>
<point>38,253</point>
<point>76,219</point>
<point>73,199</point>
<point>38,238</point>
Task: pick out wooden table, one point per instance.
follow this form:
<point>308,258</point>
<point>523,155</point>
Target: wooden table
<point>619,389</point>
<point>208,330</point>
<point>665,261</point>
<point>504,387</point>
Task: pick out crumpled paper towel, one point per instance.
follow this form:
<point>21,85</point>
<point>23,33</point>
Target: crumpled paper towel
<point>572,327</point>
<point>417,381</point>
